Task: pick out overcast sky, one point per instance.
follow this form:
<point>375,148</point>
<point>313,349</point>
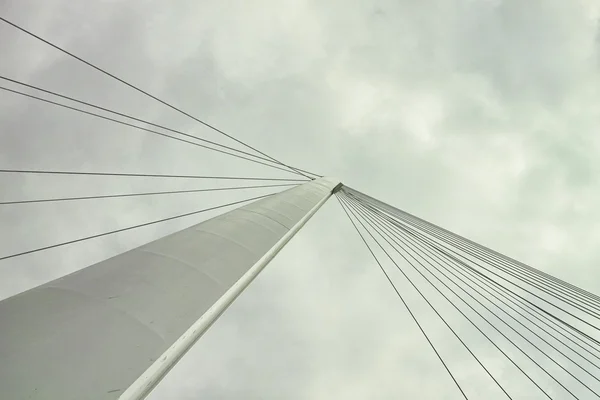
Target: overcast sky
<point>479,115</point>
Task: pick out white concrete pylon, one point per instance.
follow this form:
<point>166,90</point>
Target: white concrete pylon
<point>114,329</point>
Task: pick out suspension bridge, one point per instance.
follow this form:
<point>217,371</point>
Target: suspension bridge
<point>114,329</point>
